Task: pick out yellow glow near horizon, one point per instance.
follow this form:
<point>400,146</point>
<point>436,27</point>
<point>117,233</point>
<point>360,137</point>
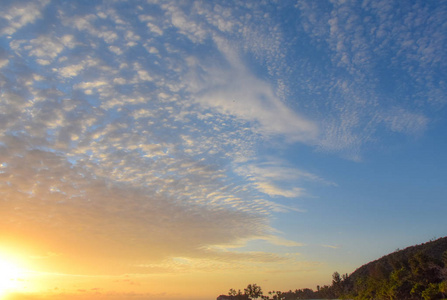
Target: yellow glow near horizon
<point>10,275</point>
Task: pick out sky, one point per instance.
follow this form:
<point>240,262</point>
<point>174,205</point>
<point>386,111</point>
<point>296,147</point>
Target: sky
<point>177,149</point>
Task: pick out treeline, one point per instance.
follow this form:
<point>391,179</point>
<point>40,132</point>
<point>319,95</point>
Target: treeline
<point>417,272</point>
<point>253,291</point>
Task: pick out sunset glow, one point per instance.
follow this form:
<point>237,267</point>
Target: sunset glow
<point>11,276</point>
<point>172,150</point>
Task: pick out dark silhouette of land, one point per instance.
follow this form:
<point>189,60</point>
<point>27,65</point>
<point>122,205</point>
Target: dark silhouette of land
<point>416,272</point>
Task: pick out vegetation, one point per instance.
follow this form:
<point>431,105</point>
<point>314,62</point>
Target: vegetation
<point>417,272</point>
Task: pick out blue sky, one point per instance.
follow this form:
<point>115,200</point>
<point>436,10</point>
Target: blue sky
<point>277,141</point>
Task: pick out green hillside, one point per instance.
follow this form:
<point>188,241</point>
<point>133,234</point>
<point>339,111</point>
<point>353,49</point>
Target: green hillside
<point>417,272</point>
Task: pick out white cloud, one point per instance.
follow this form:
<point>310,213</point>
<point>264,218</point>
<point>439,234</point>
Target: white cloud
<point>275,179</point>
<point>84,23</point>
<point>195,31</point>
<point>154,28</point>
<point>272,190</point>
<point>149,21</point>
<point>3,62</point>
<point>45,47</point>
<point>19,16</point>
<point>92,84</point>
<point>389,51</point>
<point>116,50</point>
<point>236,92</point>
<point>71,70</point>
<point>400,120</point>
<point>68,41</point>
<point>119,80</point>
<point>144,75</point>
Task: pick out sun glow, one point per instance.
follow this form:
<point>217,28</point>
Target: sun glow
<point>10,276</point>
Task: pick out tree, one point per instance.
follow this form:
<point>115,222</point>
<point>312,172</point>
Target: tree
<point>253,291</point>
<point>336,278</point>
<point>232,294</point>
<point>431,292</point>
<point>337,284</point>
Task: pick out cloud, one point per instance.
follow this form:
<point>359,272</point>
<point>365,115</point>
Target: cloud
<point>84,24</point>
<point>140,139</point>
<point>136,156</point>
<point>380,55</point>
<point>226,261</point>
<point>44,196</point>
<point>399,120</point>
<point>271,177</point>
<point>272,190</point>
<point>193,30</point>
<point>330,246</point>
<point>18,16</point>
<point>276,240</point>
<point>91,165</point>
<point>149,23</point>
<point>45,47</point>
<point>71,70</point>
<point>236,92</point>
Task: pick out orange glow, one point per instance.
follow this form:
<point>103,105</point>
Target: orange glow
<point>11,275</point>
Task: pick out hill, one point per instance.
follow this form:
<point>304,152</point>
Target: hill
<point>416,272</point>
<point>433,249</point>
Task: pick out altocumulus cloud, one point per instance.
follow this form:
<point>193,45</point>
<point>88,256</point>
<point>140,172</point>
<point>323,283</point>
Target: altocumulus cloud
<point>110,141</point>
<point>134,127</point>
<point>383,66</point>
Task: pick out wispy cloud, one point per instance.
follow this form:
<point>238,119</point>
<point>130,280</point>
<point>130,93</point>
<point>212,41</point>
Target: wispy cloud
<point>330,246</point>
<point>234,91</point>
<point>275,179</point>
